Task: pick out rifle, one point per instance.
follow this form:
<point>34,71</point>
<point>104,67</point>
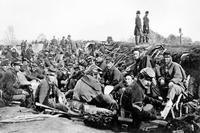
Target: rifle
<point>52,109</point>
<point>69,114</point>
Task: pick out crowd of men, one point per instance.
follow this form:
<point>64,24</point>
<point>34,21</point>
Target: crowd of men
<point>63,70</point>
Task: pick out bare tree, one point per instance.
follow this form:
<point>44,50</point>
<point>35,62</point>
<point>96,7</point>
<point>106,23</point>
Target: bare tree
<point>9,38</point>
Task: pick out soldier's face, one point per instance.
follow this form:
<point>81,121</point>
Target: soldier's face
<point>17,68</point>
<point>96,76</point>
<point>110,65</point>
<point>25,63</point>
<point>129,80</point>
<point>146,83</point>
<point>167,59</point>
<point>136,54</point>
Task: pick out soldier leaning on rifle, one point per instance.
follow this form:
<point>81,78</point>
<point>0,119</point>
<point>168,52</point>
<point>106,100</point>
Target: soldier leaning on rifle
<point>133,98</point>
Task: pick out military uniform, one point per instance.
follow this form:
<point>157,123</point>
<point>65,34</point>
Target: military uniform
<point>145,28</point>
<point>10,88</point>
<point>139,64</point>
<point>146,25</point>
<point>138,26</point>
<point>172,73</point>
<point>137,31</point>
<point>88,89</point>
<point>112,76</point>
<point>134,94</point>
<point>29,53</point>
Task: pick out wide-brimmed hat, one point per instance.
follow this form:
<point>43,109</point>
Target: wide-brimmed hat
<point>138,12</point>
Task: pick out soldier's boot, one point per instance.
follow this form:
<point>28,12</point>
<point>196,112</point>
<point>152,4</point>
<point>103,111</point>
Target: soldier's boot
<point>167,108</point>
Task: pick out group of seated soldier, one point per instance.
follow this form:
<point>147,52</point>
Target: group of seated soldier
<point>96,81</point>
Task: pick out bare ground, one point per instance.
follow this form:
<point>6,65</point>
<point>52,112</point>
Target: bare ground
<point>48,125</point>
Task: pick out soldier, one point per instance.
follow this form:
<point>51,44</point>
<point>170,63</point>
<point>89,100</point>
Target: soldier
<point>54,41</point>
<point>110,46</point>
<point>134,96</point>
<point>7,52</point>
<point>171,77</point>
<point>63,42</point>
<point>14,53</point>
<point>111,75</point>
<point>69,43</point>
<point>138,29</point>
<point>89,89</point>
<point>140,63</point>
<point>146,27</point>
<point>29,53</point>
<point>15,91</point>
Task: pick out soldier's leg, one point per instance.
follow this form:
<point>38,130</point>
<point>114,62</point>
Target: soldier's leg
<point>140,115</point>
<point>174,90</point>
<point>144,38</point>
<point>58,106</point>
<point>107,101</point>
<point>136,40</point>
<point>147,38</point>
<point>140,38</point>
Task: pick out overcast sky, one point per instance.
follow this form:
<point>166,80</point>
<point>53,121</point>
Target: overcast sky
<point>97,19</point>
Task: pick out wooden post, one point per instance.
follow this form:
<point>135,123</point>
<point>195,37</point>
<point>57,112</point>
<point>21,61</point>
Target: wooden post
<point>180,32</point>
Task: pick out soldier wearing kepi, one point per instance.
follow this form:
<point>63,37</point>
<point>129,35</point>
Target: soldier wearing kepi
<point>146,27</point>
<point>138,28</point>
<point>172,77</point>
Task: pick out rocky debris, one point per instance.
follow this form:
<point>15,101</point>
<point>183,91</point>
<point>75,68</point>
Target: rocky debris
<point>100,120</point>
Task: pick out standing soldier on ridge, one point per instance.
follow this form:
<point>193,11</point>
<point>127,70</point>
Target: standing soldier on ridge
<point>146,27</point>
<point>138,28</point>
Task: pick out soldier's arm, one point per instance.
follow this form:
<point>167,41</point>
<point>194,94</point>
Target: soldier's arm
<point>177,77</point>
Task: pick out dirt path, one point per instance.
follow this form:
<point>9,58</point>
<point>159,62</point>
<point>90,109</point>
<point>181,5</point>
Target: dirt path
<point>49,125</point>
